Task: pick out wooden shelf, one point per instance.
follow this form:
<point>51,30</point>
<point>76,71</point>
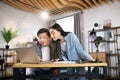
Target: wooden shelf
<point>118,49</point>
<point>111,54</point>
<point>113,67</point>
<point>8,55</point>
<point>6,49</point>
<point>117,35</point>
<point>112,28</point>
<point>10,64</point>
<point>110,41</point>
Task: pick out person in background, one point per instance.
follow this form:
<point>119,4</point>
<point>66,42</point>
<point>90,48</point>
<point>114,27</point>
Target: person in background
<point>69,49</point>
<point>43,41</point>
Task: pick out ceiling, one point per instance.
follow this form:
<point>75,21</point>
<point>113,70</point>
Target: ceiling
<point>56,7</point>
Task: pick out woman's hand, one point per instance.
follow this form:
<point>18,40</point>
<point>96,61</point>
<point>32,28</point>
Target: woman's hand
<point>91,60</point>
<point>55,60</point>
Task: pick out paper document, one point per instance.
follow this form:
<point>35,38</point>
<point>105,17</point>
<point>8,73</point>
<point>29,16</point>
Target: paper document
<point>65,62</point>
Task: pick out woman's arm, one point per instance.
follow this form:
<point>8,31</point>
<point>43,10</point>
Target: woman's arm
<point>78,47</point>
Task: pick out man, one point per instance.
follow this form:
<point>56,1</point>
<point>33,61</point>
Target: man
<point>43,41</point>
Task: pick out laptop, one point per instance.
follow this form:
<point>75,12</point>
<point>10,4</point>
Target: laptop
<point>27,55</point>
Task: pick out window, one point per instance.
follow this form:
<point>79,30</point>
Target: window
<point>67,23</point>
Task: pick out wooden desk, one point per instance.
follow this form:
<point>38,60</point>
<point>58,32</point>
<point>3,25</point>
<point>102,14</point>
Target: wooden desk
<point>59,65</point>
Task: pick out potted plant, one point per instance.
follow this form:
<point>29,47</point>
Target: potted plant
<point>8,35</point>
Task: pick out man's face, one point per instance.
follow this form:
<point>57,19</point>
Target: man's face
<point>44,39</point>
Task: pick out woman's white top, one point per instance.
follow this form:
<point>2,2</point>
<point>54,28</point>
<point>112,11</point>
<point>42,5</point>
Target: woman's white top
<point>63,46</point>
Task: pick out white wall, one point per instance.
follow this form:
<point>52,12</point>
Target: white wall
<point>26,23</point>
<point>91,16</point>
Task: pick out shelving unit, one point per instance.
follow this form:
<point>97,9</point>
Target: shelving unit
<point>110,45</point>
<point>118,49</point>
<point>5,55</point>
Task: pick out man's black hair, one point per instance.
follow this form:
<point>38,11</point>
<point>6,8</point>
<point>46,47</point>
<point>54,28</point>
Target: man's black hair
<point>43,30</point>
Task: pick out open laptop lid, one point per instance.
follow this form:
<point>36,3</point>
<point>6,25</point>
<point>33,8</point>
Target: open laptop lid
<point>27,55</point>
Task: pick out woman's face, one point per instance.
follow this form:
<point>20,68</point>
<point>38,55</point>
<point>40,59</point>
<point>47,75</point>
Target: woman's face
<point>44,39</point>
<point>55,35</point>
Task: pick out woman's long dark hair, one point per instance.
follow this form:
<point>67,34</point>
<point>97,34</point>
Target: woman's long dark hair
<point>57,27</point>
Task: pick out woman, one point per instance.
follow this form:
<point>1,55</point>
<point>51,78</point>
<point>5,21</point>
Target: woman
<point>69,48</point>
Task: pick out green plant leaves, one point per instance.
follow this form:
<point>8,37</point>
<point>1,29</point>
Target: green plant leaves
<point>9,34</point>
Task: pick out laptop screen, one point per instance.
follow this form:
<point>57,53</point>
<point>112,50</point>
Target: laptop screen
<point>27,55</point>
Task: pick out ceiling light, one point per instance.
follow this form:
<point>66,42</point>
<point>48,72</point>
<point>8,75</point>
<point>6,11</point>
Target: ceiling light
<point>44,15</point>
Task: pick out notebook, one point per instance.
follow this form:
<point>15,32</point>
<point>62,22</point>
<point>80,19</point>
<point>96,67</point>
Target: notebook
<point>27,55</point>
